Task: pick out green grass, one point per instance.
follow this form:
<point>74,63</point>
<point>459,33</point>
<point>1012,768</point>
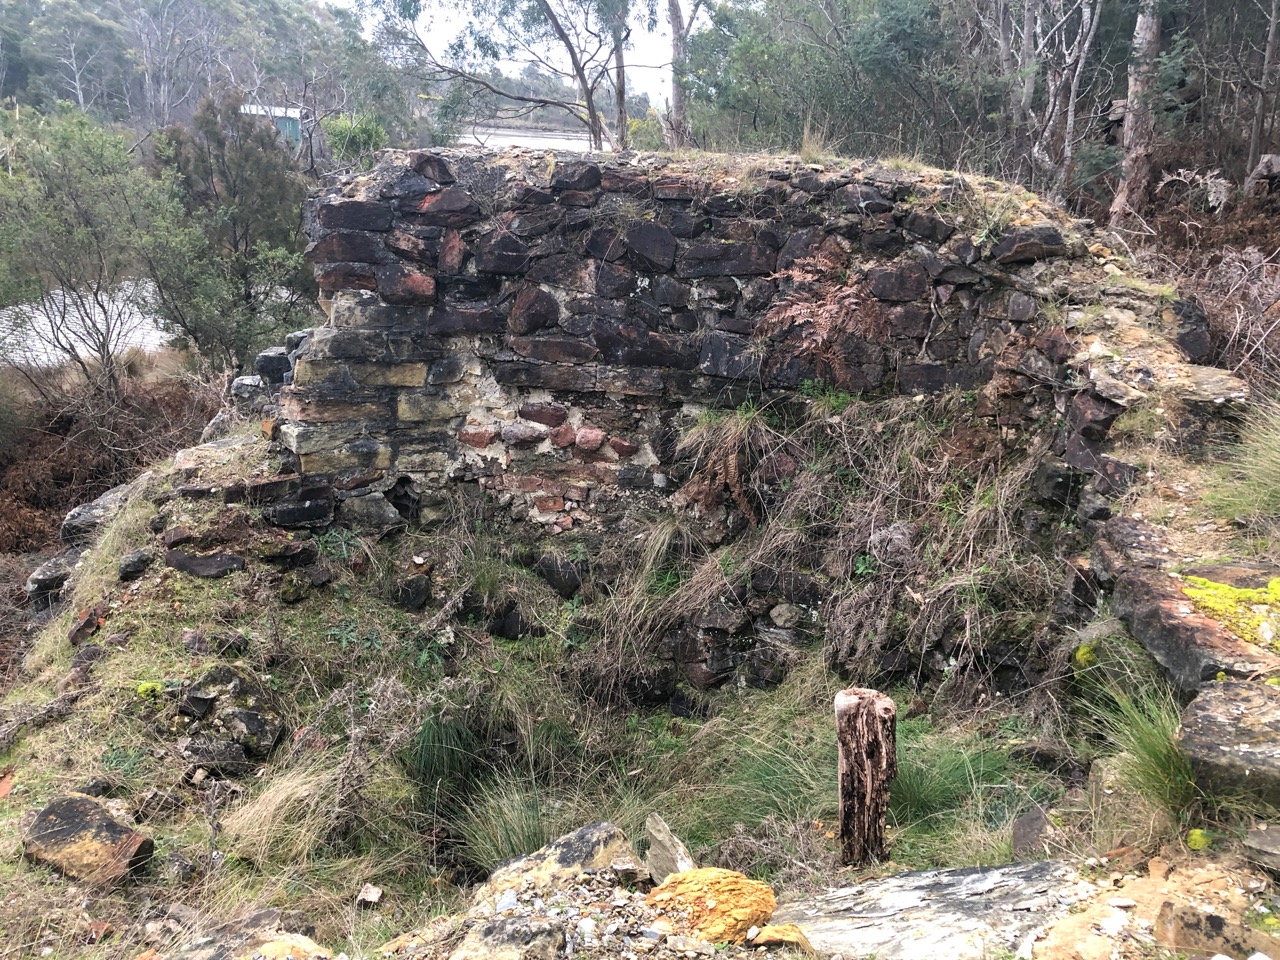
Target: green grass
<point>1251,486</point>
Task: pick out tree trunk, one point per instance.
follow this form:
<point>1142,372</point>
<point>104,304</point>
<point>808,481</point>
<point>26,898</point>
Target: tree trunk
<point>1139,118</point>
<point>1265,85</point>
<point>620,87</point>
<point>866,722</point>
<point>677,124</point>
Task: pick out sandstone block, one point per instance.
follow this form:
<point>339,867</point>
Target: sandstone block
<point>346,276</point>
<point>447,320</point>
<point>554,349</point>
<point>533,309</point>
<point>719,906</point>
<point>75,835</point>
<point>1231,732</point>
<point>1028,244</point>
<point>905,281</point>
<point>346,247</point>
<point>500,251</point>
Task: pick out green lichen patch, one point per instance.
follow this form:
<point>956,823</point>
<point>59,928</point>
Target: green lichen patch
<point>1252,614</point>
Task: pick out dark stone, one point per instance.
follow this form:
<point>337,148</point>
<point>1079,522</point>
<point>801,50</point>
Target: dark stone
<point>1113,477</point>
<point>633,344</point>
<point>76,835</point>
<point>533,309</point>
<point>929,228</point>
<point>46,581</point>
<point>1192,331</point>
<point>446,370</point>
<point>409,187</point>
<point>431,165</point>
<point>905,281</point>
<point>917,378</point>
<point>86,656</point>
<point>404,286</point>
<point>725,259</point>
<point>414,592</point>
<point>724,355</point>
<point>576,175</point>
<point>652,245</point>
<point>345,247</point>
<point>1092,415</point>
<point>687,226</point>
<point>863,198</point>
<point>1093,506</point>
<point>579,198</point>
<point>452,207</point>
<point>509,625</point>
<point>228,703</point>
<point>613,280</point>
<point>1029,832</point>
<point>311,506</point>
<point>500,251</point>
<point>221,758</point>
<point>273,364</point>
<point>885,242</point>
<point>605,243</point>
<point>1028,244</point>
<point>410,246</point>
<point>1231,732</point>
<point>447,320</point>
<point>339,214</point>
<point>520,435</point>
<point>294,588</point>
<point>134,564</point>
<point>562,574</point>
<point>211,566</point>
<point>554,349</point>
<point>577,379</point>
<point>290,553</point>
<point>1055,482</point>
<point>371,513</point>
<point>529,224</point>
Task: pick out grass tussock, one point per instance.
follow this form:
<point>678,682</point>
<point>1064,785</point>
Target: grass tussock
<point>1252,481</point>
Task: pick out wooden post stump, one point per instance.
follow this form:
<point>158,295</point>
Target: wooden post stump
<point>866,727</point>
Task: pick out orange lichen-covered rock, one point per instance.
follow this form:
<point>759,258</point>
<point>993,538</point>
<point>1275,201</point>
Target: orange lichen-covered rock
<point>77,835</point>
<point>719,906</point>
<point>784,935</point>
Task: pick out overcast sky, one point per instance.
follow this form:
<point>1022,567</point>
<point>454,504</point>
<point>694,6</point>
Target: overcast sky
<point>648,59</point>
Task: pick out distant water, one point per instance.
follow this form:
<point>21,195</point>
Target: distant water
<point>44,333</point>
<point>501,137</point>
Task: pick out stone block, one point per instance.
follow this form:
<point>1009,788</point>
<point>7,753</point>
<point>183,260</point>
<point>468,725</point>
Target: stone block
<point>336,213</point>
<point>725,259</point>
<point>576,378</point>
<point>1231,732</point>
<point>1028,244</point>
<point>863,198</point>
<point>554,349</point>
<point>575,175</point>
<point>421,407</point>
<point>547,414</point>
<point>652,246</point>
<point>725,355</point>
<point>77,836</point>
<point>631,381</point>
<point>344,246</point>
<point>500,251</point>
<point>410,246</point>
<point>451,207</point>
<point>404,286</point>
<point>345,276</point>
<point>901,282</point>
<point>448,320</point>
<point>605,243</point>
<point>431,165</point>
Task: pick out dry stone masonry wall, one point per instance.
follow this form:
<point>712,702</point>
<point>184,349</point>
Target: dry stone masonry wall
<point>539,323</point>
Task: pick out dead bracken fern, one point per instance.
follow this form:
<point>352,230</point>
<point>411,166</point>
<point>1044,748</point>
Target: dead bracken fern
<point>822,308</point>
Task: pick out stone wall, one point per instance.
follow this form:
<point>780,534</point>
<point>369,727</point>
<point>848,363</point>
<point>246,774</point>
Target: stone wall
<point>540,323</point>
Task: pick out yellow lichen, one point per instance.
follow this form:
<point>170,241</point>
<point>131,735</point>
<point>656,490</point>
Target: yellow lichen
<point>1199,839</point>
<point>1251,614</point>
<point>1085,656</point>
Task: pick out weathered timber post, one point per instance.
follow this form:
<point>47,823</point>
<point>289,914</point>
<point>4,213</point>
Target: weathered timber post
<point>866,724</point>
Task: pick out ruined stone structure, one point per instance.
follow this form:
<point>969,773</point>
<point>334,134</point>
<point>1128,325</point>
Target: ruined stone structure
<point>536,323</point>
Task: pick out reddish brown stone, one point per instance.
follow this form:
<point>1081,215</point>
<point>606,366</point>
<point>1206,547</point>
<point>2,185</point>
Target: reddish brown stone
<point>624,448</point>
<point>549,504</point>
<point>653,245</point>
<point>576,175</point>
<point>411,247</point>
<point>563,436</point>
<point>547,414</point>
<point>533,309</point>
<point>346,276</point>
<point>612,279</point>
<point>675,188</point>
<point>345,247</point>
<point>76,835</point>
<point>522,435</point>
<point>624,181</point>
<point>451,207</point>
<point>554,349</point>
<point>405,286</point>
<point>589,438</point>
<point>725,260</point>
<point>452,253</point>
<point>478,437</point>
